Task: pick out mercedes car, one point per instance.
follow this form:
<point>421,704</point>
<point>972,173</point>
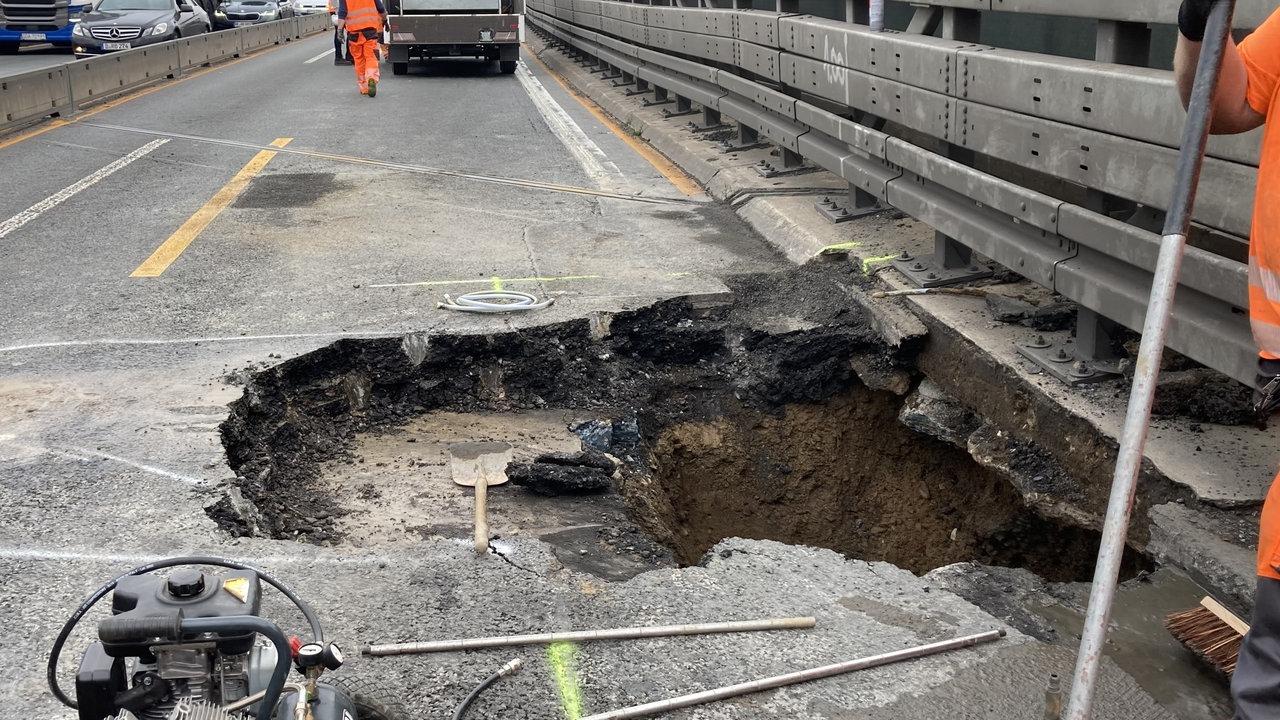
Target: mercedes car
<point>123,24</point>
<point>239,13</point>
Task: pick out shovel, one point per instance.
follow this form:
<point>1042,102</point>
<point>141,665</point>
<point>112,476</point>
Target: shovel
<point>480,465</point>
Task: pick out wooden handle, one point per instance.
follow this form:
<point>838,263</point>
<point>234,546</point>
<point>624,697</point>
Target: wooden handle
<point>1225,615</point>
<point>482,522</point>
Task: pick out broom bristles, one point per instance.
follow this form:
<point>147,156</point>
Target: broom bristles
<point>1208,636</point>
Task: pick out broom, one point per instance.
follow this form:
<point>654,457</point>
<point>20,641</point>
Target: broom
<point>1210,631</point>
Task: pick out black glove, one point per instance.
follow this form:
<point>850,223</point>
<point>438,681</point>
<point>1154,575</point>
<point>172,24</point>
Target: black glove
<point>1193,16</point>
<point>1266,391</point>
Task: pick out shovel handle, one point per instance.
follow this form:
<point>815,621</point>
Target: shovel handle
<point>482,519</point>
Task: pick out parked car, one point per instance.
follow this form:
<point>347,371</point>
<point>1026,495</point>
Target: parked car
<point>239,13</point>
<point>123,24</point>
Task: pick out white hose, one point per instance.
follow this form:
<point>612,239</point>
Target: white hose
<point>494,301</point>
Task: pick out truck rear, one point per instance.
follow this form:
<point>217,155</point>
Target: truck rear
<point>426,29</point>
<point>38,21</point>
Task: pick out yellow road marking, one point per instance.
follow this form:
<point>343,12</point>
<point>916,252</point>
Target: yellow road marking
<point>842,246</point>
<point>866,264</point>
<point>561,655</point>
<point>169,251</point>
<point>668,169</point>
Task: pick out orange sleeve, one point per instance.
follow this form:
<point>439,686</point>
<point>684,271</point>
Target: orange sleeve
<point>1261,54</point>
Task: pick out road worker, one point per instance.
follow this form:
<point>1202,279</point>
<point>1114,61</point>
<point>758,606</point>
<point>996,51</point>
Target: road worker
<point>340,54</point>
<point>1248,87</point>
<point>362,22</point>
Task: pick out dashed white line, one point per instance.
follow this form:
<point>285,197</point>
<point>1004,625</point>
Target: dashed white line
<point>131,463</point>
<point>319,57</point>
<point>68,192</point>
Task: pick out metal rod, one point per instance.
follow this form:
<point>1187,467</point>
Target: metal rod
<point>1159,308</point>
<point>588,635</point>
<point>729,691</point>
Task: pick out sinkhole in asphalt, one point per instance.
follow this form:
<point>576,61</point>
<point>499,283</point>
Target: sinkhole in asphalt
<point>773,411</point>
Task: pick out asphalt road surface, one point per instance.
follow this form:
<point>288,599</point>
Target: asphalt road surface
<point>157,246</point>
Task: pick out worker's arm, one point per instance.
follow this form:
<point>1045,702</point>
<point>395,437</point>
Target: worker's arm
<point>342,16</point>
<point>1231,110</point>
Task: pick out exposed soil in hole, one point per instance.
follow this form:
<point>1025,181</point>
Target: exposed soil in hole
<point>846,475</point>
<point>754,416</point>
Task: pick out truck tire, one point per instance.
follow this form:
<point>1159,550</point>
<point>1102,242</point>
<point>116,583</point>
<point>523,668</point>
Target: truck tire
<point>399,68</point>
<point>507,66</point>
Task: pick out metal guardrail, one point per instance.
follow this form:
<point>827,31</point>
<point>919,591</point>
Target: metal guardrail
<point>1054,167</point>
<point>65,89</point>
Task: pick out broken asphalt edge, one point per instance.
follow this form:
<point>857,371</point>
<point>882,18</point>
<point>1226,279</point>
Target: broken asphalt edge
<point>975,362</point>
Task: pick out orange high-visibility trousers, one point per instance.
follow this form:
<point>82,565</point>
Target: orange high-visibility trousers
<point>364,55</point>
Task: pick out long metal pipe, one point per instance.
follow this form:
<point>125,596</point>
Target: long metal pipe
<point>729,691</point>
<point>1133,438</point>
<point>588,635</point>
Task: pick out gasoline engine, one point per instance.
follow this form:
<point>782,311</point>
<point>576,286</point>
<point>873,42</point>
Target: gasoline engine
<point>192,646</point>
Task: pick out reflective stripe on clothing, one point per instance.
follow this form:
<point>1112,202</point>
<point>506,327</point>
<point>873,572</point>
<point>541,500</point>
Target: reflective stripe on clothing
<point>1264,306</point>
<point>361,14</point>
<point>366,62</point>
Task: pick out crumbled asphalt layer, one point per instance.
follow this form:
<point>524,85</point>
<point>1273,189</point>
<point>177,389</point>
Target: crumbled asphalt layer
<point>782,346</point>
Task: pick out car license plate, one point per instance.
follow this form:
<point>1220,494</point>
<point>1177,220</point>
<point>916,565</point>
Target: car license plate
<point>115,46</point>
<point>33,36</point>
<point>242,23</point>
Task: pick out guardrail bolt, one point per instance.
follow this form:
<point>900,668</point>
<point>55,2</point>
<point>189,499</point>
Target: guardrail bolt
<point>931,276</point>
<point>1038,342</point>
<point>905,255</point>
<point>1081,369</point>
<point>917,266</point>
<point>1060,356</point>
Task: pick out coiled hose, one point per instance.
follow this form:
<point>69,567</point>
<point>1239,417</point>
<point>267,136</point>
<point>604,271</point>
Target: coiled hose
<point>509,669</point>
<point>494,301</point>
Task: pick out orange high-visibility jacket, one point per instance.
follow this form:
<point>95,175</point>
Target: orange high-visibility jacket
<point>361,14</point>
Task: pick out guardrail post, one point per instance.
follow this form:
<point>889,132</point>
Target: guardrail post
<point>610,73</point>
<point>684,106</point>
<point>625,79</point>
<point>961,24</point>
<point>951,263</point>
<point>1125,43</point>
<point>925,20</point>
<point>660,97</point>
<point>1091,357</point>
<point>641,88</point>
<point>860,203</point>
<point>788,6</point>
<point>710,121</point>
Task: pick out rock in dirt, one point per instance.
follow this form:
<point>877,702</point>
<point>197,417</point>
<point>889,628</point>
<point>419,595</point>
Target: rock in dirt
<point>552,474</point>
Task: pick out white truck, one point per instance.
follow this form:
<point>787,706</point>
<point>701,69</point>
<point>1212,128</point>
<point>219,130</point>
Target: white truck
<point>426,29</point>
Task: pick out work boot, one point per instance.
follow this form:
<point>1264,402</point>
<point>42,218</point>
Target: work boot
<point>1266,391</point>
<point>373,90</point>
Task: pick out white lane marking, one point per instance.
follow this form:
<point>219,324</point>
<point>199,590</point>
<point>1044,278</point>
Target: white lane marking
<point>193,340</point>
<point>597,165</point>
<point>68,192</point>
<point>321,56</point>
<point>80,453</point>
<point>29,554</point>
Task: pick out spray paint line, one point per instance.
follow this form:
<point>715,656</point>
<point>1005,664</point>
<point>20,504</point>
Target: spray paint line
<point>70,191</point>
<point>496,281</point>
<point>171,249</point>
<point>198,340</point>
<point>563,656</point>
<point>420,169</point>
<point>866,263</point>
<point>81,453</point>
<point>842,246</point>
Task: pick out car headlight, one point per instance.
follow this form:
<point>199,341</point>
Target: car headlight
<point>79,30</point>
<point>267,14</point>
<point>220,13</point>
<point>159,29</point>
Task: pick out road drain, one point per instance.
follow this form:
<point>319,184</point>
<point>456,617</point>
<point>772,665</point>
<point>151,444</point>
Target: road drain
<point>754,417</point>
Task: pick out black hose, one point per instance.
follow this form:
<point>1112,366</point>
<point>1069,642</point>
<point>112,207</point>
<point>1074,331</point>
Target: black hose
<point>507,669</point>
<point>52,673</point>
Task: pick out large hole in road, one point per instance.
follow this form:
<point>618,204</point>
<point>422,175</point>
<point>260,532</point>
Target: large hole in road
<point>771,412</point>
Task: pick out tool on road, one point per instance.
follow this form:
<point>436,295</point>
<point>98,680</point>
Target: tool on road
<point>494,301</point>
<point>480,465</point>
<point>1211,631</point>
<point>1133,436</point>
<point>776,681</point>
<point>192,645</point>
<point>793,623</point>
<point>510,668</point>
<point>976,292</point>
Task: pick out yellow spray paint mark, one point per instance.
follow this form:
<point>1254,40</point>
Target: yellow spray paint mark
<point>170,249</point>
<point>843,246</point>
<point>562,657</point>
<point>866,263</point>
<point>497,283</point>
